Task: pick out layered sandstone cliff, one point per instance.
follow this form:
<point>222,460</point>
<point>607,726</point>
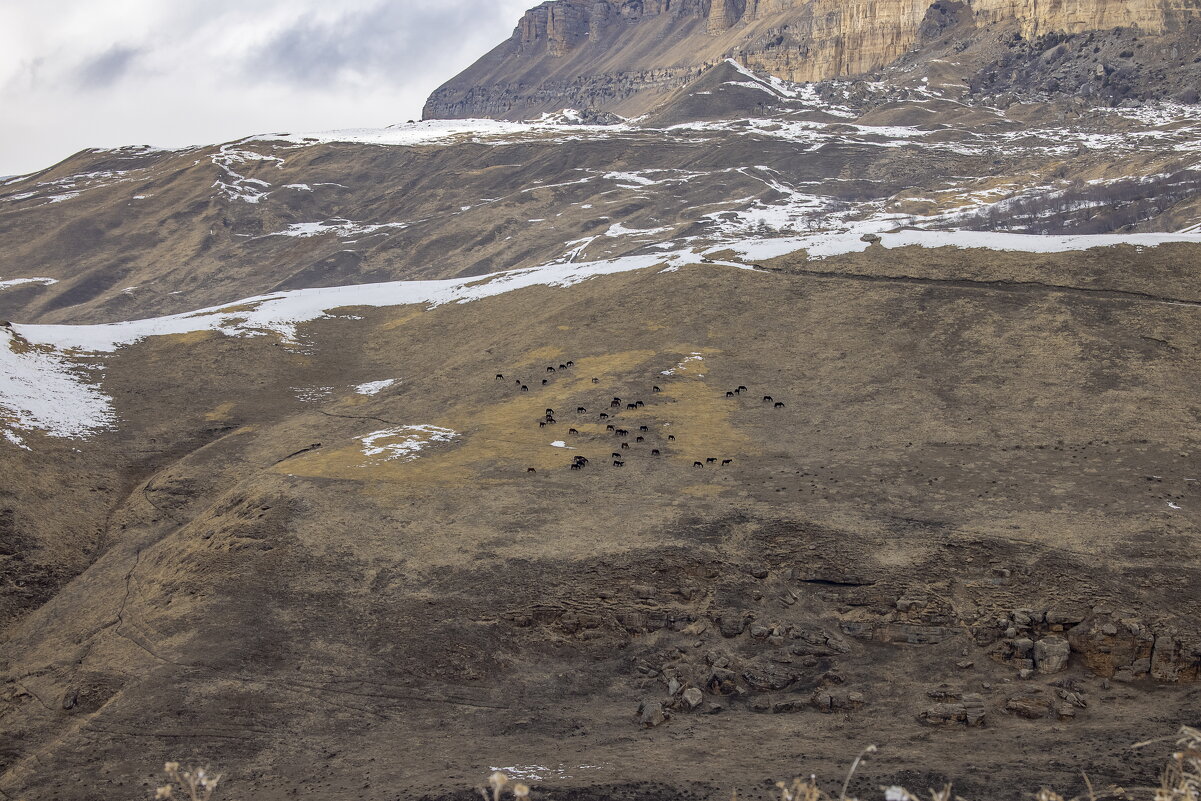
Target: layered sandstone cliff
<point>619,54</point>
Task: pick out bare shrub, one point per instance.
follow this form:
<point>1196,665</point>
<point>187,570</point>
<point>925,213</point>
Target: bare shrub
<point>193,784</point>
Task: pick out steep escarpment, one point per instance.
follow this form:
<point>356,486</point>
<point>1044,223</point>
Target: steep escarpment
<point>622,56</point>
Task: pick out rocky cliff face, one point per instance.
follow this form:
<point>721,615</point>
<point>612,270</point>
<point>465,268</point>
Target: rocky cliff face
<point>620,54</point>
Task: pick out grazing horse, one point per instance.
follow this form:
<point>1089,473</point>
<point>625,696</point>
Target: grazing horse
<point>581,460</point>
<point>697,464</point>
<point>779,405</point>
<point>571,364</point>
<point>550,412</point>
<point>644,428</point>
<point>604,416</point>
<point>517,382</point>
<point>581,410</point>
<point>729,394</point>
<point>542,424</point>
<point>499,377</point>
<point>617,456</point>
<point>621,432</point>
<point>631,405</point>
<point>610,427</point>
<point>545,382</point>
<point>531,470</point>
<point>742,389</point>
<point>596,381</point>
<point>562,367</point>
<point>625,446</point>
<point>550,369</point>
<point>616,404</point>
<point>671,437</point>
<point>656,390</point>
<point>639,404</point>
<point>572,431</point>
<point>640,439</point>
<point>618,464</point>
<point>577,466</point>
<point>524,388</point>
<point>725,462</point>
<point>767,398</point>
<point>710,460</point>
<point>655,452</point>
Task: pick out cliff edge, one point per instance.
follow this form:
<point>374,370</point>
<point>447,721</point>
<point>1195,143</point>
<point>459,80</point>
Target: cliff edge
<point>624,55</point>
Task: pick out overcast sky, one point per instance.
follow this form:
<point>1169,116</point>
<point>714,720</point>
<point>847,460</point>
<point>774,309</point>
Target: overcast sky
<point>103,73</point>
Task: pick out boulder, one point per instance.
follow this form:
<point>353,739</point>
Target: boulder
<point>1051,654</point>
<point>732,625</point>
<point>651,714</point>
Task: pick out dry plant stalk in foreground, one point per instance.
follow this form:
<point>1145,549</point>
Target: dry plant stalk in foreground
<point>1181,781</point>
<point>193,784</point>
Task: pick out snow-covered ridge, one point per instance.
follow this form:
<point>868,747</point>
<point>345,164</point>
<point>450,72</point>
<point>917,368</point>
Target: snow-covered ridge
<point>434,131</point>
<point>282,312</point>
<point>820,246</point>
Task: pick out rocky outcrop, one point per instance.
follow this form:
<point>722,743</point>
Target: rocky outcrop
<point>620,55</point>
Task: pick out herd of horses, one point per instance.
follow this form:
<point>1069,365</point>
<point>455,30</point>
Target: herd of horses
<point>615,408</point>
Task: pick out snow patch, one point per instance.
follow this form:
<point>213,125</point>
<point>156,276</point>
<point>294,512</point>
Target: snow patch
<point>312,394</point>
<point>341,228</point>
<point>235,186</point>
<point>42,390</point>
<point>535,773</point>
<point>12,437</point>
<point>374,387</point>
<point>403,443</point>
<point>22,281</point>
<point>694,357</point>
<point>617,229</point>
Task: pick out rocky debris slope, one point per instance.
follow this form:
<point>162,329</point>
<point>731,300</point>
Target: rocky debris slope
<point>623,56</point>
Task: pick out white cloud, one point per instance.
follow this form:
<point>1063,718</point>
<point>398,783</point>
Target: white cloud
<point>82,73</point>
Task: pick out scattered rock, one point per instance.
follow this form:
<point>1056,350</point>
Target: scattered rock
<point>953,708</point>
<point>1032,706</point>
<point>943,714</point>
<point>693,697</point>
